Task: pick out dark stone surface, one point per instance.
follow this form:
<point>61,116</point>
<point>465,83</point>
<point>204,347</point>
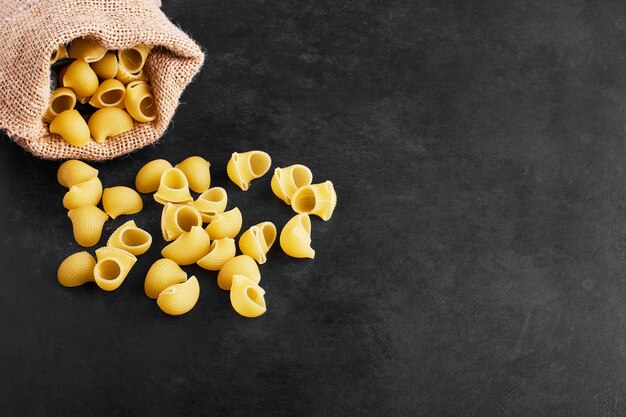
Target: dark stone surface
<point>474,265</point>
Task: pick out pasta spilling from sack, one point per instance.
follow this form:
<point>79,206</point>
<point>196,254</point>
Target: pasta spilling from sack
<point>98,79</point>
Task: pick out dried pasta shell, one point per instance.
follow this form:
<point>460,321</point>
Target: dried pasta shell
<point>257,241</point>
<point>80,77</point>
<point>110,93</point>
<point>177,219</point>
<point>162,274</point>
<point>220,251</point>
<point>319,199</point>
<point>227,224</point>
<point>112,267</point>
<point>133,59</point>
<point>106,67</point>
<point>210,203</point>
<point>287,180</point>
<point>239,265</point>
<point>109,122</point>
<point>86,193</point>
<point>173,187</point>
<point>128,77</point>
<point>87,223</point>
<point>86,50</point>
<point>139,102</point>
<point>71,126</point>
<point>121,200</point>
<point>61,99</point>
<point>73,171</point>
<point>58,54</point>
<point>189,247</point>
<point>196,169</point>
<point>246,297</point>
<point>76,269</point>
<point>130,238</point>
<point>247,166</point>
<point>179,298</point>
<point>149,176</point>
<point>295,238</point>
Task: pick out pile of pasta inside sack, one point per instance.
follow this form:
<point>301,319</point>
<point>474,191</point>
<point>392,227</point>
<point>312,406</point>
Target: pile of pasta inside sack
<point>97,93</point>
<point>201,231</point>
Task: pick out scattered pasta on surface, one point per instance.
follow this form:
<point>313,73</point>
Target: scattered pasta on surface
<point>86,193</point>
<point>210,203</point>
<point>179,298</point>
<point>246,297</point>
<point>112,267</point>
<point>295,238</point>
<point>76,269</point>
<point>130,238</point>
<point>173,187</point>
<point>247,166</point>
<point>318,199</point>
<point>220,251</point>
<point>177,219</point>
<point>239,265</point>
<point>257,241</point>
<point>149,176</point>
<point>121,200</point>
<point>161,275</point>
<point>197,171</point>
<point>227,224</point>
<point>286,181</point>
<point>87,224</point>
<point>189,247</point>
<point>73,171</point>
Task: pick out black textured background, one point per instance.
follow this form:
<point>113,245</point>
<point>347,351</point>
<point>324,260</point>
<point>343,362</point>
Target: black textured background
<point>474,265</point>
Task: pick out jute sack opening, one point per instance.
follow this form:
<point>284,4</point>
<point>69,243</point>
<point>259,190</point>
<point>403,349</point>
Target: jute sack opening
<point>30,30</point>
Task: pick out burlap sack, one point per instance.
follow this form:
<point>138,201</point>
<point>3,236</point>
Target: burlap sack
<point>31,29</point>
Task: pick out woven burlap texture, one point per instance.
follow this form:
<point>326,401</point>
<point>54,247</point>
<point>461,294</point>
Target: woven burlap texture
<point>30,30</point>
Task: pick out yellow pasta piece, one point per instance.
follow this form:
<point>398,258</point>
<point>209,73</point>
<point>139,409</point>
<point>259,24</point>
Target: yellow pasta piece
<point>287,180</point>
<point>110,93</point>
<point>128,77</point>
<point>87,223</point>
<point>86,50</point>
<point>80,77</point>
<point>196,169</point>
<point>71,126</point>
<point>139,102</point>
<point>106,67</point>
<point>86,193</point>
<point>61,99</point>
<point>189,247</point>
<point>257,241</point>
<point>173,187</point>
<point>134,59</point>
<point>58,54</point>
<point>179,298</point>
<point>220,251</point>
<point>73,171</point>
<point>239,265</point>
<point>227,224</point>
<point>112,267</point>
<point>76,269</point>
<point>161,275</point>
<point>247,166</point>
<point>121,200</point>
<point>295,238</point>
<point>177,219</point>
<point>109,122</point>
<point>130,238</point>
<point>319,199</point>
<point>246,297</point>
<point>149,176</point>
<point>210,203</point>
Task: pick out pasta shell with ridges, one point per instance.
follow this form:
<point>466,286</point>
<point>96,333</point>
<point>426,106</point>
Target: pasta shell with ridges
<point>247,166</point>
<point>179,298</point>
<point>73,171</point>
<point>149,176</point>
<point>177,219</point>
<point>128,77</point>
<point>112,267</point>
<point>173,187</point>
<point>220,251</point>
<point>87,223</point>
<point>86,49</point>
<point>257,241</point>
<point>81,78</point>
<point>109,122</point>
<point>246,297</point>
<point>133,59</point>
<point>76,269</point>
<point>286,181</point>
<point>61,99</point>
<point>189,247</point>
<point>161,275</point>
<point>197,171</point>
<point>110,93</point>
<point>121,200</point>
<point>139,102</point>
<point>58,54</point>
<point>211,202</point>
<point>227,224</point>
<point>319,199</point>
<point>106,67</point>
<point>71,126</point>
<point>130,238</point>
<point>86,193</point>
<point>295,238</point>
<point>239,265</point>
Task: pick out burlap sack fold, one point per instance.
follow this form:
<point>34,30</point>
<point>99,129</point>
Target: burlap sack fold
<point>31,29</point>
